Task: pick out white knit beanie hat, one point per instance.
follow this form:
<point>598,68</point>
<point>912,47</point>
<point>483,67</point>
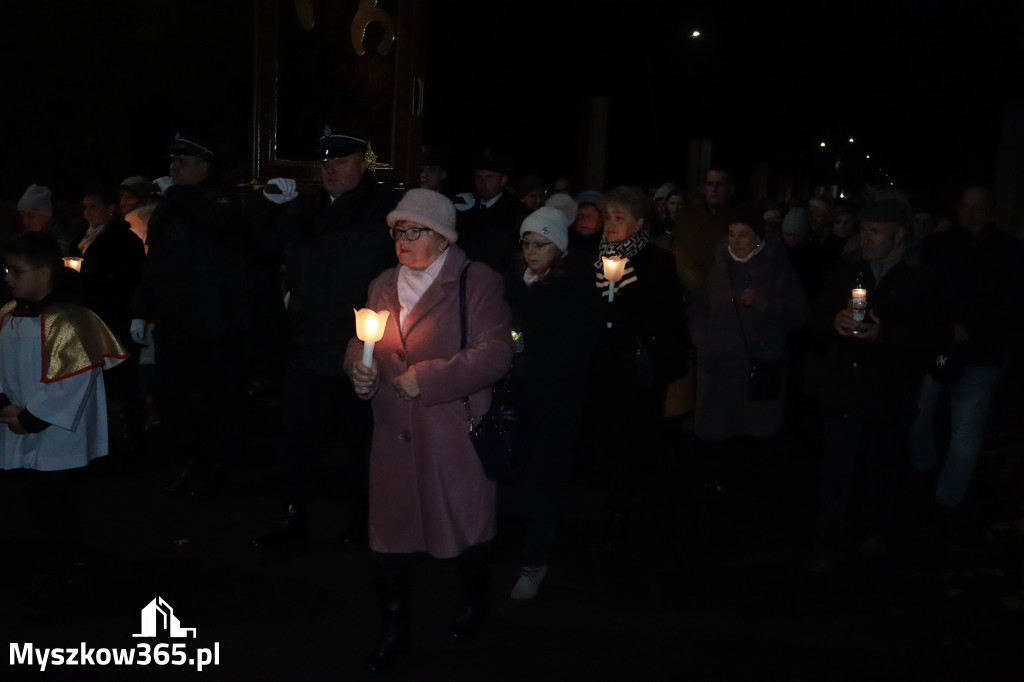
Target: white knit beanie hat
<point>429,209</point>
<point>550,222</point>
<point>37,199</point>
<point>564,203</point>
<point>796,221</point>
<point>664,190</point>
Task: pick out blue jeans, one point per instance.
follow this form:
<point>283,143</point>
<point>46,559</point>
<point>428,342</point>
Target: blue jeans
<point>970,397</point>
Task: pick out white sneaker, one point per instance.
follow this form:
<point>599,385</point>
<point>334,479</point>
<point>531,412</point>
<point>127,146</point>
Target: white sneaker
<point>530,578</point>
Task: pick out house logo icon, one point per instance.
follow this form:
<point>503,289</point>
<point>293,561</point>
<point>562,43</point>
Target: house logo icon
<point>158,617</point>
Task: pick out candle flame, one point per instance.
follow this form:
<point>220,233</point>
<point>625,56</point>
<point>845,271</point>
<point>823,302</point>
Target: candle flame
<point>370,325</point>
<point>614,267</point>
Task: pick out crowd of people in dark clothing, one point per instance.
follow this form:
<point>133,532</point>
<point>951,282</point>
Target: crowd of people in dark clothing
<point>636,323</point>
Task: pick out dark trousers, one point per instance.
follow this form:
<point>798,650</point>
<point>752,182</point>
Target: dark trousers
<point>200,395</point>
<point>539,496</point>
<point>859,460</point>
<point>317,407</point>
<point>123,390</point>
<point>631,444</point>
<point>53,499</point>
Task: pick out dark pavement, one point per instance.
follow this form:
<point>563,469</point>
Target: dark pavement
<point>699,591</point>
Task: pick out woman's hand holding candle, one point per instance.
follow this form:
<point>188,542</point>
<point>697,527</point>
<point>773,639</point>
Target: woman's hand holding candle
<point>363,377</point>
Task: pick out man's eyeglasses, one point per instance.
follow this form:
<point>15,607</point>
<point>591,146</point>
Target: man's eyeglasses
<point>409,234</point>
<point>528,245</point>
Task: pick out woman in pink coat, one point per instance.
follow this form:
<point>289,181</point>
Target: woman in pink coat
<point>428,492</point>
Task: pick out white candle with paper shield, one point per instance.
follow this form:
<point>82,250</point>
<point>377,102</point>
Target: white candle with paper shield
<point>73,262</point>
<point>370,329</point>
<point>613,269</point>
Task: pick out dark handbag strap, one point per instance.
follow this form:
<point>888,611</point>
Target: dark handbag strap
<point>506,382</point>
<point>463,334</point>
<point>462,305</point>
<point>743,331</point>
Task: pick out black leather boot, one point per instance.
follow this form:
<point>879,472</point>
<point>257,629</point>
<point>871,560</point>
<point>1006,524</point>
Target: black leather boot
<point>391,578</point>
<point>475,569</point>
<point>394,636</point>
<point>293,529</point>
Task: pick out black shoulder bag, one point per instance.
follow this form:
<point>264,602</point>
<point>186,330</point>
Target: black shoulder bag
<point>499,438</point>
<point>764,380</point>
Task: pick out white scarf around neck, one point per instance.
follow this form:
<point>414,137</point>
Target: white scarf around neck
<point>412,284</point>
<point>757,249</point>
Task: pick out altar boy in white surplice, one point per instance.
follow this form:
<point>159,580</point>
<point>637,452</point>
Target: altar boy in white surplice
<point>52,356</point>
<point>53,413</point>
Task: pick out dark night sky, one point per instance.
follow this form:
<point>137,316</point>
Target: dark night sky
<point>920,89</point>
<point>95,89</point>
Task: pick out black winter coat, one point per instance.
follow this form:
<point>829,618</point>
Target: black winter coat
<point>873,381</point>
<point>491,235</point>
<point>193,276</point>
<point>111,271</point>
<point>981,285</point>
<point>332,252</point>
<point>555,317</point>
<point>649,310</point>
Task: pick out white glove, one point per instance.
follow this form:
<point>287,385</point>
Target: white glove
<point>285,190</point>
<point>138,332</point>
<point>163,183</point>
<point>464,201</point>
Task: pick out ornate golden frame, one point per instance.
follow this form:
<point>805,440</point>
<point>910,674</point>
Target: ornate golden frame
<point>396,57</point>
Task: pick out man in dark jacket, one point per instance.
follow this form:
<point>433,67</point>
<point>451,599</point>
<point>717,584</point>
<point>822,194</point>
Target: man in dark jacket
<point>190,291</point>
<point>114,255</point>
<point>489,229</point>
<point>868,378</point>
<point>111,269</point>
<point>334,242</point>
<point>699,227</point>
<point>981,284</point>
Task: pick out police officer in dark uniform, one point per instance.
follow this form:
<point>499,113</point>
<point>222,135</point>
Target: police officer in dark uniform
<point>333,243</point>
<point>190,291</point>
